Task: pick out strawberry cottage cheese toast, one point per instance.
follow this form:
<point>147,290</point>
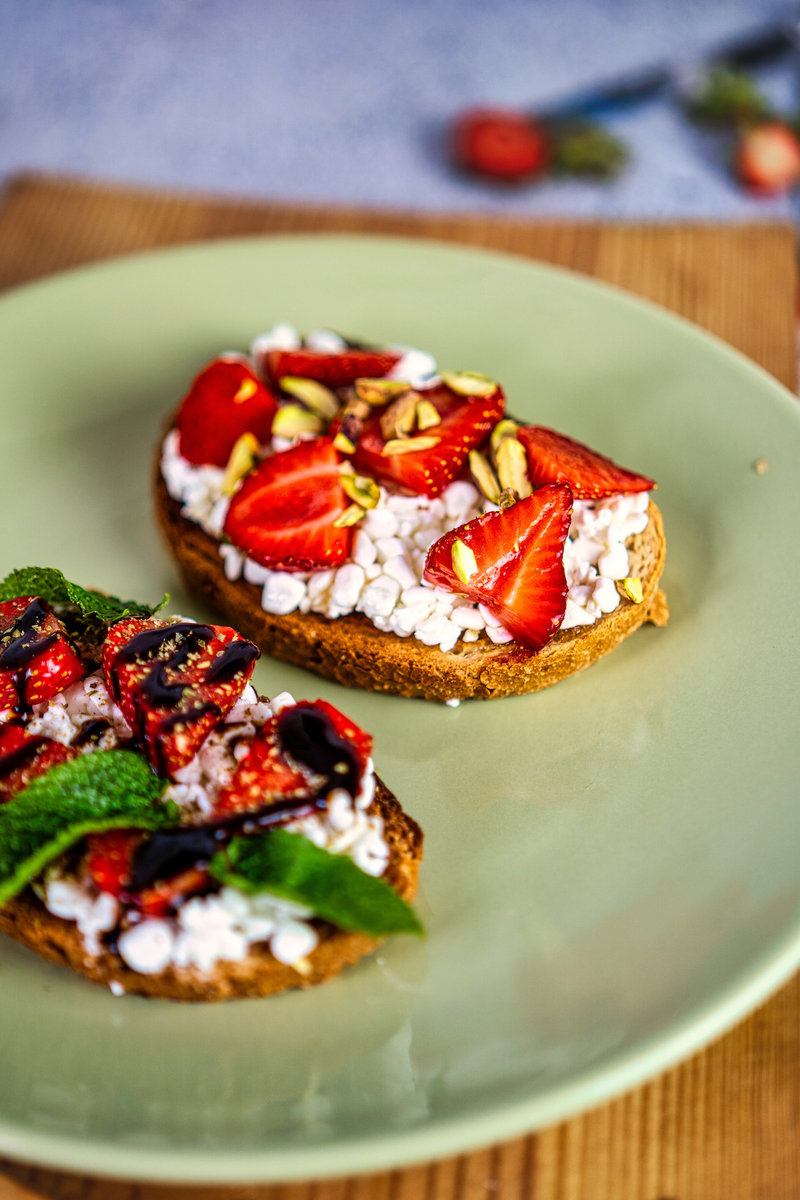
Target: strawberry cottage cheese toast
<point>163,830</point>
<point>392,528</point>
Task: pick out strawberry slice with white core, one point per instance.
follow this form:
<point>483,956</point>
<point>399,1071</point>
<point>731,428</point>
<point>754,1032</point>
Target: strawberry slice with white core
<point>37,657</point>
<point>515,563</point>
<point>174,681</point>
<point>225,401</point>
<point>464,422</point>
<point>555,458</point>
<point>284,514</point>
<point>335,370</point>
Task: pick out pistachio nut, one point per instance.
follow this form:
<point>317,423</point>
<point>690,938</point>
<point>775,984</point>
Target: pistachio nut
<point>469,383</point>
<point>243,457</point>
<point>320,399</point>
<point>292,419</point>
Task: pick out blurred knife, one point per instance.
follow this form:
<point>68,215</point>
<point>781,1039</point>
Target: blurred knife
<point>748,51</point>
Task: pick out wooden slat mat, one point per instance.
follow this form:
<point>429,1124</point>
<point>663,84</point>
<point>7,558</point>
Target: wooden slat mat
<point>723,1125</point>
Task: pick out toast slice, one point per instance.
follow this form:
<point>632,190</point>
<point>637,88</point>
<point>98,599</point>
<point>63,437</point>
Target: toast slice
<point>352,651</point>
<point>166,831</point>
<point>26,920</point>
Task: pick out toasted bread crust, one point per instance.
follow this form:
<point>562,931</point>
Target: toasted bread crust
<point>27,921</point>
<point>351,651</point>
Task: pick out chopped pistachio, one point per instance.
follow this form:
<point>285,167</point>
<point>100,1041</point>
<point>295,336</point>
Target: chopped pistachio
<point>512,467</point>
<point>632,587</point>
<point>398,419</point>
<point>484,476</point>
<point>469,383</point>
<point>503,429</point>
<point>380,391</point>
<point>246,389</point>
<point>343,444</point>
<point>506,498</point>
<point>409,445</point>
<point>292,419</point>
<point>427,415</point>
<point>243,457</point>
<point>761,466</point>
<point>320,399</point>
<point>362,489</point>
<point>350,516</point>
<point>464,562</point>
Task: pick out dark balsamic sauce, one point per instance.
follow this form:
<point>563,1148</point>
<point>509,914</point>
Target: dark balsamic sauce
<point>91,732</point>
<point>312,741</point>
<point>169,852</point>
<point>235,657</point>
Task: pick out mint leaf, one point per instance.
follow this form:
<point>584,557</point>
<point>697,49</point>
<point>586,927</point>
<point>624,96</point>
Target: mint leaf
<point>108,789</point>
<point>50,584</point>
<point>290,866</point>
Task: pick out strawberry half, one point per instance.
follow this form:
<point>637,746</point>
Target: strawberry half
<point>23,757</point>
<point>767,158</point>
<point>555,458</point>
<point>174,682</point>
<point>519,563</point>
<point>464,423</point>
<point>503,145</point>
<point>225,400</point>
<point>37,657</point>
<point>334,370</point>
<point>283,515</point>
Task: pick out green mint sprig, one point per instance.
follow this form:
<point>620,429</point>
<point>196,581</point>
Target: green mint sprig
<point>288,865</point>
<point>108,789</point>
<point>50,584</point>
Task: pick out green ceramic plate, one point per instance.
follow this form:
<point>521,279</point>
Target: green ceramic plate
<point>611,875</point>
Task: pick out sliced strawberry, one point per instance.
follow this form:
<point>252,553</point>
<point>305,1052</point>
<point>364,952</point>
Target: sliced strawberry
<point>37,657</point>
<point>283,515</point>
<point>23,757</point>
<point>111,862</point>
<point>519,556</point>
<point>555,458</point>
<point>498,144</point>
<point>464,423</point>
<point>174,682</point>
<point>109,859</point>
<point>225,400</point>
<point>297,756</point>
<point>264,776</point>
<point>767,159</point>
<point>334,370</point>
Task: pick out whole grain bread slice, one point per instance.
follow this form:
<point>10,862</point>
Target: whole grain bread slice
<point>351,651</point>
<point>28,921</point>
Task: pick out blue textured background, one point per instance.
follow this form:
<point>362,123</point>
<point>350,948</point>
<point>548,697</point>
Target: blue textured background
<point>345,101</point>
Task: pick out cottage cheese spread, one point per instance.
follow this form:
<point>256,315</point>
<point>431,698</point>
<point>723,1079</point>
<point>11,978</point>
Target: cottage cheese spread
<point>383,578</point>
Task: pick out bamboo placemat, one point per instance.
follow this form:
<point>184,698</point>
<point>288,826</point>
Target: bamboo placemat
<point>725,1125</point>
